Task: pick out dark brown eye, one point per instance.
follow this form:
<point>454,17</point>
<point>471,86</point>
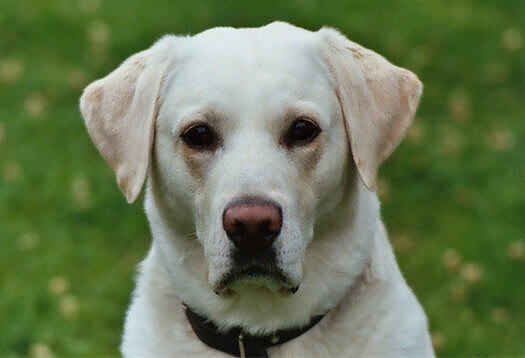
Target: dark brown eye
<point>200,137</point>
<point>301,132</point>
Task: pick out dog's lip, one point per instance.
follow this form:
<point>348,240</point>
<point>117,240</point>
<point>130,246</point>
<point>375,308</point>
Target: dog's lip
<point>254,272</point>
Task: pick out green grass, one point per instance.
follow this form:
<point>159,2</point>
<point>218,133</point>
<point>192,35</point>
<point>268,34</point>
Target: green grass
<point>453,194</point>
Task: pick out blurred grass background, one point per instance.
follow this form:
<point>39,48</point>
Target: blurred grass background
<point>453,194</point>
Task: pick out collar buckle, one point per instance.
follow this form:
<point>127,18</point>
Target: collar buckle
<point>241,346</point>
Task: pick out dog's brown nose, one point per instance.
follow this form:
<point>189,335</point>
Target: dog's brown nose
<point>252,224</point>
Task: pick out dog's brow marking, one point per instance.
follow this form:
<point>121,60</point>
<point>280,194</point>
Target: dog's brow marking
<point>195,165</point>
<point>309,159</point>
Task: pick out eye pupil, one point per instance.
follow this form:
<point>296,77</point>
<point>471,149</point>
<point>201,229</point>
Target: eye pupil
<point>200,137</point>
<point>301,132</point>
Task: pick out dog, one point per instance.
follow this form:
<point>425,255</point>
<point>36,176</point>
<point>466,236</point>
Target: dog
<point>260,149</point>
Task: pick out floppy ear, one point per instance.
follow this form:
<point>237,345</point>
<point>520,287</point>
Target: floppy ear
<point>119,112</point>
<point>378,100</point>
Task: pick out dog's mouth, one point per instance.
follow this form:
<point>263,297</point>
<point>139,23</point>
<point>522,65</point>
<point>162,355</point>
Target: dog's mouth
<point>267,276</point>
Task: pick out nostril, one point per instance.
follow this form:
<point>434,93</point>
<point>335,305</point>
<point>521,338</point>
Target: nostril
<point>238,227</point>
<point>264,226</point>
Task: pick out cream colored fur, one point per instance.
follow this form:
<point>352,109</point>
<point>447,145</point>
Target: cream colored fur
<point>249,85</point>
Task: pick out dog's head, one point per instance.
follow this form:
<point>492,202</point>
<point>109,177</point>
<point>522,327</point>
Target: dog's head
<point>255,142</point>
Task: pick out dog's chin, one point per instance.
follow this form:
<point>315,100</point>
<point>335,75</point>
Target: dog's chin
<point>255,279</point>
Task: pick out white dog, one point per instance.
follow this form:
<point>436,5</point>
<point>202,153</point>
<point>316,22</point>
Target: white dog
<point>261,148</point>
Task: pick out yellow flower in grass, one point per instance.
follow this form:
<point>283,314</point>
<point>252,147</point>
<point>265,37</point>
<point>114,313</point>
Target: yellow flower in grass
<point>471,272</point>
<point>383,189</point>
<point>501,140</point>
<point>10,71</point>
<point>403,242</point>
<point>89,6</point>
<point>58,285</point>
<point>516,250</point>
<point>438,340</point>
<point>511,39</point>
<point>452,142</point>
<point>458,292</point>
<point>451,260</point>
<point>499,315</point>
<point>77,79</point>
<point>81,192</point>
<point>459,105</point>
<point>98,33</point>
<point>12,172</point>
<point>28,241</point>
<point>415,132</point>
<point>35,105</point>
<point>69,306</point>
<point>40,350</point>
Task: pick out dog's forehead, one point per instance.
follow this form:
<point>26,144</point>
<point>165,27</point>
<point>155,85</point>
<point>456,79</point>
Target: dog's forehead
<point>271,66</point>
<point>275,49</point>
<point>275,35</point>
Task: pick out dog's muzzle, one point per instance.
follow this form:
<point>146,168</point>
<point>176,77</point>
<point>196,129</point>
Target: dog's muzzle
<point>253,224</point>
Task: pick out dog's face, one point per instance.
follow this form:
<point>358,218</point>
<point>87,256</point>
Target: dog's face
<point>255,147</point>
<point>250,132</point>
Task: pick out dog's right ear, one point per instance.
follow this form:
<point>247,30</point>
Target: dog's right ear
<point>119,112</point>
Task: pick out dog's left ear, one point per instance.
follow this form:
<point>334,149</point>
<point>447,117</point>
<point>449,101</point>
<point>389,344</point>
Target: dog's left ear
<point>120,110</point>
<point>378,100</point>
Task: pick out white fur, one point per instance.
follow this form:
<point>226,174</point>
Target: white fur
<point>247,83</point>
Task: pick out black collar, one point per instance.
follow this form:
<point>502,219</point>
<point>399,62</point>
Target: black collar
<point>235,340</point>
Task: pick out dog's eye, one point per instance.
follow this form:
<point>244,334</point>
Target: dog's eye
<point>301,132</point>
<point>201,137</point>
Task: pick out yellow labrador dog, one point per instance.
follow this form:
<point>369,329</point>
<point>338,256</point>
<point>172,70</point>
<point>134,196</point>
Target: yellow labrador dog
<point>261,148</point>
